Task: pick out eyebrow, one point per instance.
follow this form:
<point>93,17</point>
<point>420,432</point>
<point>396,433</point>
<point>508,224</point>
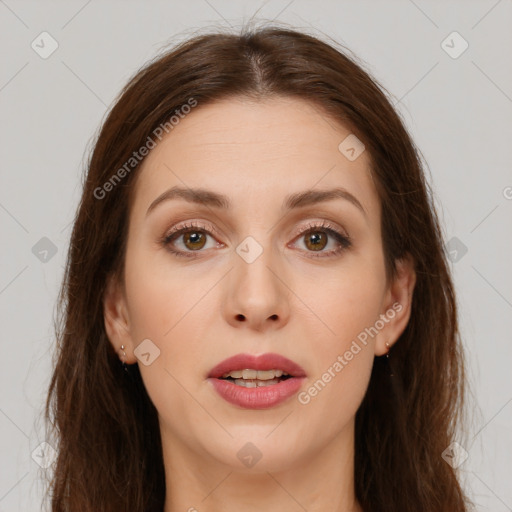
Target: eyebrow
<point>293,201</point>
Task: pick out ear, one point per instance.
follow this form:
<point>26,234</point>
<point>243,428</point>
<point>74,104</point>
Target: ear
<point>117,321</point>
<point>397,305</point>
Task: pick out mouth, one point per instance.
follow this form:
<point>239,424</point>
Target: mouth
<point>250,378</point>
<point>256,382</point>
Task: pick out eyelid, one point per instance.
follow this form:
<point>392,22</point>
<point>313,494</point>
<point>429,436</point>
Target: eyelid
<point>191,225</point>
<point>194,224</point>
<point>326,224</point>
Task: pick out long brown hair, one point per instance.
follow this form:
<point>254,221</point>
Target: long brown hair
<point>103,423</point>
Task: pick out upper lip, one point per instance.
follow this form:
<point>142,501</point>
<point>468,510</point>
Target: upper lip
<point>267,361</point>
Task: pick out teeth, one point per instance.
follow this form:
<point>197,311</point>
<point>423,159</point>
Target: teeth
<point>235,375</point>
<point>248,374</point>
<point>256,383</point>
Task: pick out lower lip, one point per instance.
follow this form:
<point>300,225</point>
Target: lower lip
<point>257,398</point>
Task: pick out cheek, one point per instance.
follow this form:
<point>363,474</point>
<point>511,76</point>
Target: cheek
<point>159,296</point>
<point>330,400</point>
<point>343,352</point>
<point>166,306</point>
<point>348,304</point>
<point>346,300</point>
<point>161,309</point>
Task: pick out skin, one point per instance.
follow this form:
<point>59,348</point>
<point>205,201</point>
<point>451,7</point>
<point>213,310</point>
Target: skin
<point>199,311</point>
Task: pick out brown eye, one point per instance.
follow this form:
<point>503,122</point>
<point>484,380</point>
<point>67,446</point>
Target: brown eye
<point>316,240</point>
<point>188,240</point>
<point>194,240</point>
<point>317,237</point>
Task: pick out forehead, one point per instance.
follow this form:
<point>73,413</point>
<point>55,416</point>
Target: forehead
<point>263,149</point>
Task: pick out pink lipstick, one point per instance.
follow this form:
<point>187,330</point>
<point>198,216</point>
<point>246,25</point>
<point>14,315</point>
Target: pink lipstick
<point>257,382</point>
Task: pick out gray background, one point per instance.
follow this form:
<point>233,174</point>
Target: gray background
<point>458,110</point>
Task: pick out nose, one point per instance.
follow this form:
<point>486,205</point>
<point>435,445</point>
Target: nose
<point>256,293</point>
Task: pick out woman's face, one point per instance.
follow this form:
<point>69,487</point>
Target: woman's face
<point>279,271</point>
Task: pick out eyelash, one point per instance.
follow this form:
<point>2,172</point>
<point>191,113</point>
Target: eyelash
<point>344,241</point>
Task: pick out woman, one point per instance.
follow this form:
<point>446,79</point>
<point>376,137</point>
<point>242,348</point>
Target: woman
<point>257,244</point>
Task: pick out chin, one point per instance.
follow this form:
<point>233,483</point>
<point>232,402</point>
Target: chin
<point>255,454</point>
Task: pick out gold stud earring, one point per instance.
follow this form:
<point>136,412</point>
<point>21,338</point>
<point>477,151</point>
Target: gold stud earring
<point>123,361</point>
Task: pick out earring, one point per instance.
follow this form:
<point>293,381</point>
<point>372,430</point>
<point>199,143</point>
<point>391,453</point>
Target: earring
<point>387,356</point>
<point>124,359</point>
